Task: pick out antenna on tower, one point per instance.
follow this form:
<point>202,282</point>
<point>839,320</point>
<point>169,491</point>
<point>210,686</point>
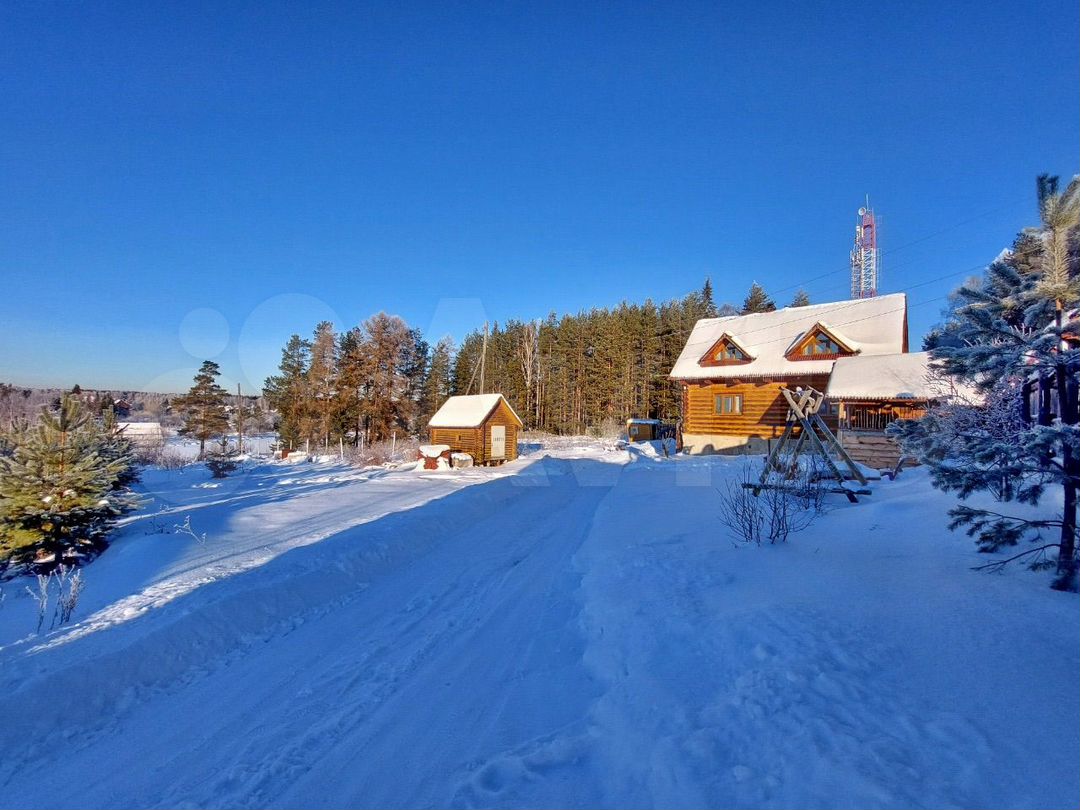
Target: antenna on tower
<point>865,260</point>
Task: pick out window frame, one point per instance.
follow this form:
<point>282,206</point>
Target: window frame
<point>727,404</point>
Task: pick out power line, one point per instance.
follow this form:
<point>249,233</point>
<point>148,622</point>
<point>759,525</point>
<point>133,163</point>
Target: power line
<point>857,302</point>
<point>897,249</point>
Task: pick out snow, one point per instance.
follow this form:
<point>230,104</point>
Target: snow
<point>889,376</point>
<point>570,629</point>
<point>433,450</point>
<point>467,411</point>
<point>869,325</point>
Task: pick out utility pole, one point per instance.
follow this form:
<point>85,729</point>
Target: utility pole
<point>483,357</point>
<point>239,420</point>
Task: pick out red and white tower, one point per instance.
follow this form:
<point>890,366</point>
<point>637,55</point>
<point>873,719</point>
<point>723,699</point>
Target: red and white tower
<point>864,255</point>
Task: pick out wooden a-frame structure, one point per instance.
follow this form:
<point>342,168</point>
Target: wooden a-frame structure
<point>816,440</point>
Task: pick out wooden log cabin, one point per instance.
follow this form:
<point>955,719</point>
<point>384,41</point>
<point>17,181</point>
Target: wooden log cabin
<point>482,425</point>
<point>731,369</point>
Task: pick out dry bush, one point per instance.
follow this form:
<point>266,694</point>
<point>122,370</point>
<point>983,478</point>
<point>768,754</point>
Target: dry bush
<point>385,452</point>
<point>610,429</point>
<point>788,505</point>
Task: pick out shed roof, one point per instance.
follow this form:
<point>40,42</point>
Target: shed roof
<point>468,411</point>
<point>886,376</point>
<point>869,326</point>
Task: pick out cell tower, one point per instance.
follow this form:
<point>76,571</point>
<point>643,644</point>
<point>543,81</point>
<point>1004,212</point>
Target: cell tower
<point>864,255</point>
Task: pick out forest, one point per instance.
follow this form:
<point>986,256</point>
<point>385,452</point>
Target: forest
<point>563,374</point>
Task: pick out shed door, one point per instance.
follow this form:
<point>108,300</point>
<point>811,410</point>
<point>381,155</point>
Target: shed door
<point>498,441</point>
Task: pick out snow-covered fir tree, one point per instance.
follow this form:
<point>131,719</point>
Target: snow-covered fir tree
<point>1016,341</point>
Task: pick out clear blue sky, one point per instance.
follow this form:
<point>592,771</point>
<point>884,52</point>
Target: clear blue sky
<point>282,162</point>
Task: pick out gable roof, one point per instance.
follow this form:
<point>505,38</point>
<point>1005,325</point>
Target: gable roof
<point>468,411</point>
<point>710,359</point>
<point>870,326</point>
<point>845,345</point>
<point>889,376</point>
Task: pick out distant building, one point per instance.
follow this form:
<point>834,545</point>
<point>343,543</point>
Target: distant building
<point>143,434</point>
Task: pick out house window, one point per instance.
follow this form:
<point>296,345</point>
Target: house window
<point>821,344</point>
<point>729,403</point>
<point>731,354</point>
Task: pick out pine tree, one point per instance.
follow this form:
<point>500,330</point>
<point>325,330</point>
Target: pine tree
<point>223,459</point>
<point>110,443</point>
<point>287,392</point>
<point>1015,330</point>
<point>204,407</point>
<point>757,301</point>
<point>437,384</point>
<point>386,404</point>
<point>801,299</point>
<point>58,490</point>
<point>322,382</point>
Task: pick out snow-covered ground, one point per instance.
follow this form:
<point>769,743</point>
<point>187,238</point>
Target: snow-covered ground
<point>572,629</point>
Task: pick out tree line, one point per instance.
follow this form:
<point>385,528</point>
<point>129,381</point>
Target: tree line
<point>562,374</point>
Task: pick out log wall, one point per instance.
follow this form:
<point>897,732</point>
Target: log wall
<point>764,411</point>
<point>476,441</point>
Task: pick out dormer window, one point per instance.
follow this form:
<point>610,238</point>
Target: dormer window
<point>725,352</point>
<point>820,344</point>
<point>731,353</point>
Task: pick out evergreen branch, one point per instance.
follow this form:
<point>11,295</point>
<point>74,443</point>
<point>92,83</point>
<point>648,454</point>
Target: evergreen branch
<point>997,565</point>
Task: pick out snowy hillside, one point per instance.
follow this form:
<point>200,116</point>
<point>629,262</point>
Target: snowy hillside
<point>572,629</point>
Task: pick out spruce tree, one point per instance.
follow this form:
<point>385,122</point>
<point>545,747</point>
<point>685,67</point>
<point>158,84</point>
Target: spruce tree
<point>1015,331</point>
<point>757,301</point>
<point>60,488</point>
<point>708,304</point>
<point>801,299</point>
<point>204,407</point>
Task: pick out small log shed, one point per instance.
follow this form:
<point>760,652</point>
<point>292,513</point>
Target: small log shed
<point>482,425</point>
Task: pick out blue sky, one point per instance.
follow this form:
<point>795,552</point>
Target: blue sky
<point>183,180</point>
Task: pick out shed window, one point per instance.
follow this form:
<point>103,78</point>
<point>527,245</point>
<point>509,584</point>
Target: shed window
<point>728,403</point>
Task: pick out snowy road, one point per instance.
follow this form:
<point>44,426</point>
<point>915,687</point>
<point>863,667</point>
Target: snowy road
<point>571,636</point>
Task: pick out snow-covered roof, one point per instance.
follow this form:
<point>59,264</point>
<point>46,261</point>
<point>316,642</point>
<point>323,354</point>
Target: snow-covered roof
<point>132,429</point>
<point>468,411</point>
<point>887,376</point>
<point>869,326</point>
